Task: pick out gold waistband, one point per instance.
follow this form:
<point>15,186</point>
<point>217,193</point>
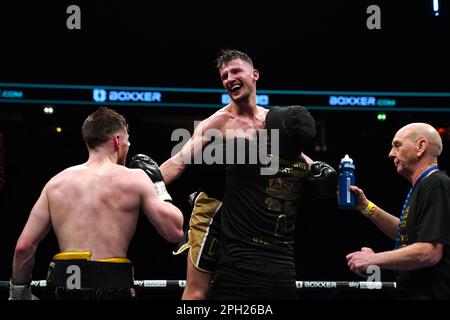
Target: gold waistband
<point>86,255</point>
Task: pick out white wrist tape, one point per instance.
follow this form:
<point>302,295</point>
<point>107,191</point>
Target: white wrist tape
<point>161,190</point>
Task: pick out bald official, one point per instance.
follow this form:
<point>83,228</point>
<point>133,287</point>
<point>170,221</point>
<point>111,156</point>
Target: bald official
<point>422,233</point>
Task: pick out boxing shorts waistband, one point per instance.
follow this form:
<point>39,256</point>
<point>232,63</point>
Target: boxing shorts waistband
<point>74,270</point>
<point>86,255</point>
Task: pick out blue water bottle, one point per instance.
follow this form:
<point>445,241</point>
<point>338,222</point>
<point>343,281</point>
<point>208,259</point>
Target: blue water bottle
<point>346,179</point>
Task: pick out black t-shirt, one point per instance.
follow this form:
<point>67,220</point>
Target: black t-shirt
<point>208,174</point>
<point>258,217</point>
<point>427,219</point>
<point>209,178</point>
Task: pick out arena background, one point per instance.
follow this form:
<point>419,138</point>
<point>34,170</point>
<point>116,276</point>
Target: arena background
<point>320,46</point>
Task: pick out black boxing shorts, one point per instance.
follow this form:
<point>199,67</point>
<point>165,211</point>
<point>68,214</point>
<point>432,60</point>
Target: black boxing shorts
<point>72,275</point>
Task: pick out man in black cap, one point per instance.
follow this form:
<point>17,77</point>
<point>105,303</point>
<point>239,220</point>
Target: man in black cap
<point>258,213</point>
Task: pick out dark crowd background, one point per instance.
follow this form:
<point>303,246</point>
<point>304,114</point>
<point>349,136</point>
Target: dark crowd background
<point>296,46</point>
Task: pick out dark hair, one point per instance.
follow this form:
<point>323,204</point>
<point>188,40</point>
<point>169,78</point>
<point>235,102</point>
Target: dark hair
<point>100,125</point>
<point>227,55</point>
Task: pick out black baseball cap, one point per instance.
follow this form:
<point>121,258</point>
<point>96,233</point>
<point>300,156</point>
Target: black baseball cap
<point>296,126</point>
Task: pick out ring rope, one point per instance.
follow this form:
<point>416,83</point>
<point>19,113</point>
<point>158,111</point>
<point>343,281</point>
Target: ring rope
<point>302,285</point>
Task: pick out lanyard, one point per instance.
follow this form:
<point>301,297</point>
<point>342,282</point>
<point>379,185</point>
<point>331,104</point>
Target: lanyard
<point>423,175</point>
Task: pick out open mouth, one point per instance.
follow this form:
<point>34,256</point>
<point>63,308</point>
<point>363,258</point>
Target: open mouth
<point>235,88</point>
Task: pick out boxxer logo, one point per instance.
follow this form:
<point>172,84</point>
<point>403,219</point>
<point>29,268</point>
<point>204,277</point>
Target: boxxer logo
<point>102,95</point>
<point>99,95</point>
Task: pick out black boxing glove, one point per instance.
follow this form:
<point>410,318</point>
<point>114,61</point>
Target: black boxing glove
<point>322,180</point>
<point>151,168</point>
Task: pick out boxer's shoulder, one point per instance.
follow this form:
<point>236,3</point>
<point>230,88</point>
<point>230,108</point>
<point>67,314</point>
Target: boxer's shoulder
<point>67,173</point>
<point>216,121</point>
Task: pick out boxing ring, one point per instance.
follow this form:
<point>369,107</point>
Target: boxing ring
<point>327,288</point>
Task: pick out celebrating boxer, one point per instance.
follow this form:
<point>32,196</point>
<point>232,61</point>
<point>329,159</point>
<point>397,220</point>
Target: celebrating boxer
<point>236,120</point>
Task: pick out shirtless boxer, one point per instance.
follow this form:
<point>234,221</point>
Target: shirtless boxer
<point>93,209</point>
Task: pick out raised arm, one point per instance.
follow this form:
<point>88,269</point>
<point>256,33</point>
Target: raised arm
<point>174,166</point>
<point>383,220</point>
<point>156,205</point>
<point>166,217</point>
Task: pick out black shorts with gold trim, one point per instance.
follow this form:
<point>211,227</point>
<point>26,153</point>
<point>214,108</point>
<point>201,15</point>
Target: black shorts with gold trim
<point>202,236</point>
<point>72,275</point>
